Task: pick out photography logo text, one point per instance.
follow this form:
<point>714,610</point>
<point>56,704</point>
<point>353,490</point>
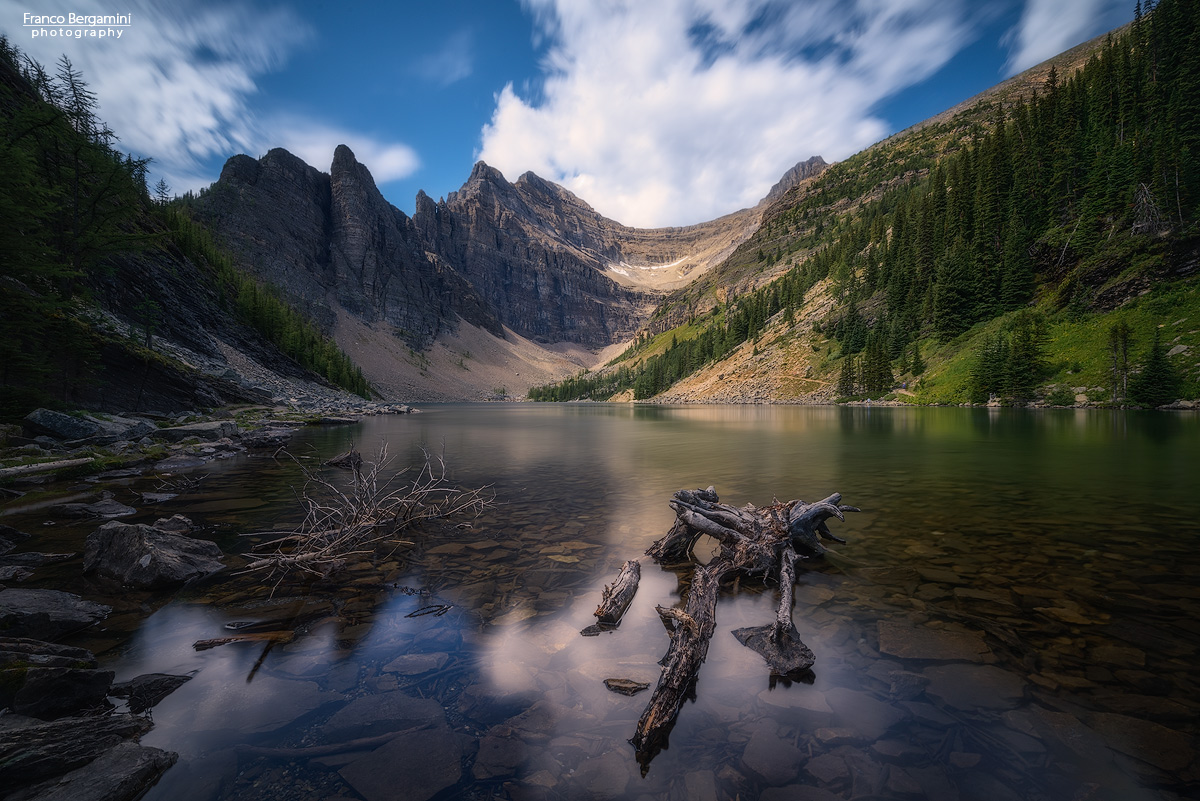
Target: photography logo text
<point>77,26</point>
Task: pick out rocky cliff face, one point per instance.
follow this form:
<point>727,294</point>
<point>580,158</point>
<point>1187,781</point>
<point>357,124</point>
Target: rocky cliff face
<point>274,213</point>
<point>538,255</point>
<point>528,255</point>
<point>331,242</point>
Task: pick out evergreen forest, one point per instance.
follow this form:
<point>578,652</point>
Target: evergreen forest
<point>1070,198</point>
<point>75,208</point>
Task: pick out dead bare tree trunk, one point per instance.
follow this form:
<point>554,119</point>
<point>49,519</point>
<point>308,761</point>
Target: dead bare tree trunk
<point>755,541</point>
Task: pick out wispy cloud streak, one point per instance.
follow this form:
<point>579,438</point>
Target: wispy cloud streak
<point>1048,27</point>
<point>181,86</point>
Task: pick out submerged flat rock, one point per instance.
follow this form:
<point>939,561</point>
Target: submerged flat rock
<point>1164,748</point>
<point>973,687</point>
<point>370,715</point>
<point>863,711</point>
<point>900,639</point>
<point>264,705</point>
<point>770,756</point>
<point>415,766</point>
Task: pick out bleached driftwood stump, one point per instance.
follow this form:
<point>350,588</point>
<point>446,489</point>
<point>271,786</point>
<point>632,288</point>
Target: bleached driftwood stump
<point>755,541</point>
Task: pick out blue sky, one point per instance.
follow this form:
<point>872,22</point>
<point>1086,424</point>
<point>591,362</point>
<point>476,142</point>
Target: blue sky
<point>656,112</point>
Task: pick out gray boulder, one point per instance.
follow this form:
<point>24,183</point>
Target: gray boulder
<point>210,431</point>
<point>119,428</point>
<point>59,425</point>
<point>144,557</point>
<point>123,773</point>
<point>46,614</point>
<point>176,524</point>
<point>32,750</point>
<point>106,507</point>
<point>53,692</point>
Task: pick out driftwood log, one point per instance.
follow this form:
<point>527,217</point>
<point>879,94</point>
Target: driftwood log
<point>763,541</point>
<point>42,467</point>
<point>616,599</point>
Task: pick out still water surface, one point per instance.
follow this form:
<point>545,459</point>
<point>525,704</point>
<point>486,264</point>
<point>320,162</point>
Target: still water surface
<point>1067,539</point>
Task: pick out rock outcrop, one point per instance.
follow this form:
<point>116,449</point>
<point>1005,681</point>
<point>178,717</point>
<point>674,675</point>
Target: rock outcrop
<point>46,614</point>
<point>94,757</point>
<point>331,242</point>
<point>538,255</point>
<point>145,557</point>
<point>55,740</point>
<point>802,171</point>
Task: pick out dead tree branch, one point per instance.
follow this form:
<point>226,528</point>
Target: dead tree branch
<point>342,520</point>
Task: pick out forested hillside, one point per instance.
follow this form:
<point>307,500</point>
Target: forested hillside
<point>82,238</point>
<point>1029,210</point>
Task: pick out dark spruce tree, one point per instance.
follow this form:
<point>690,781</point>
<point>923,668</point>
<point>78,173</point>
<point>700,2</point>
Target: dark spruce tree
<point>847,378</point>
<point>1026,359</point>
<point>1120,339</point>
<point>954,292</point>
<point>1158,383</point>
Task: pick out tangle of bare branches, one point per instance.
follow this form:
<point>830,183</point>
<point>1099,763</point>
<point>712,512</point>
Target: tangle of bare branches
<point>346,520</point>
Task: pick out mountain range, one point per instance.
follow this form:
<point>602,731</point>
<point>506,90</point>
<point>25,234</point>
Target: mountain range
<point>1034,219</point>
<point>500,285</point>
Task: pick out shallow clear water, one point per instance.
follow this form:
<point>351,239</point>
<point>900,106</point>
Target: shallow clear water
<point>1067,539</point>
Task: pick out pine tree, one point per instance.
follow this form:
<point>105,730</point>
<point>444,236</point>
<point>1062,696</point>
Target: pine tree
<point>954,297</point>
<point>917,364</point>
<point>988,371</point>
<point>1158,383</point>
<point>847,379</point>
<point>876,372</point>
<point>1017,280</point>
<point>1026,361</point>
<point>1120,338</point>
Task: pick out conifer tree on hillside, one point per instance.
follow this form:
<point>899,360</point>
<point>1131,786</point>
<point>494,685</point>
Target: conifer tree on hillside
<point>847,378</point>
<point>1158,383</point>
<point>1120,339</point>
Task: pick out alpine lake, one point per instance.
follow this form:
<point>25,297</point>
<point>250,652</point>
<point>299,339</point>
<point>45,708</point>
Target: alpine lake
<point>1015,614</point>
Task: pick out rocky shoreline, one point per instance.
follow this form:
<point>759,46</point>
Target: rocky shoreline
<point>61,737</point>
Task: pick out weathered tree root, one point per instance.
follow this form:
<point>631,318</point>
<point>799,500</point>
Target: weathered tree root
<point>755,541</point>
<point>616,599</point>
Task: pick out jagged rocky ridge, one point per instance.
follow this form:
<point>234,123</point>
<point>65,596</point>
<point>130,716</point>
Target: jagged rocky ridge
<point>331,240</point>
<point>528,256</point>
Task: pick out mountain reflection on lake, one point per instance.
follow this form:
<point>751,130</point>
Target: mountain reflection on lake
<point>1014,615</point>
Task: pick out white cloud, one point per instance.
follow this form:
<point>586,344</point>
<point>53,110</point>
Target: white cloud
<point>677,111</point>
<point>181,85</point>
<point>1048,27</point>
<point>451,63</point>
